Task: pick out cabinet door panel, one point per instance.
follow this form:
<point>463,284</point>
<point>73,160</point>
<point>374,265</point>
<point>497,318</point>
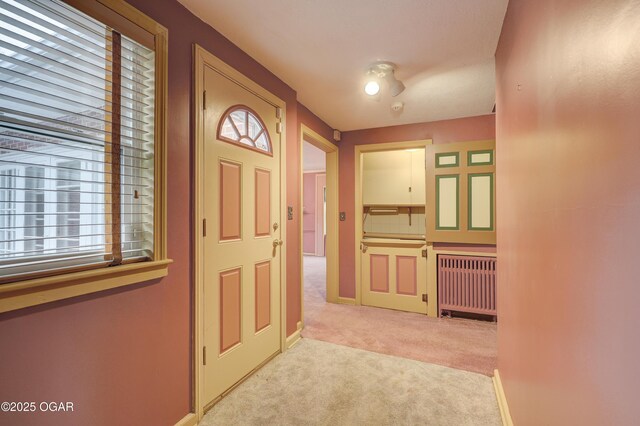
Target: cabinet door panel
<point>386,178</point>
<point>418,178</point>
<point>395,277</point>
<point>460,192</point>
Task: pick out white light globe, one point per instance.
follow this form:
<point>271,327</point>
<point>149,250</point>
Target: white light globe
<point>372,88</point>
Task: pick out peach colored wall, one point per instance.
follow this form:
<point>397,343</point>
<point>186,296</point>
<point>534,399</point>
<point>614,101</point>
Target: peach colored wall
<point>568,194</point>
<point>123,356</point>
<point>463,129</point>
<point>312,216</point>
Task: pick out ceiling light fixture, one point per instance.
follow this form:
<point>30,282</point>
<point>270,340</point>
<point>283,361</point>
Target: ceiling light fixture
<point>372,87</point>
<point>382,70</point>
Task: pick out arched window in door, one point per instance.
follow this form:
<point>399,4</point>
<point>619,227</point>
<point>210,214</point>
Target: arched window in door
<point>242,126</point>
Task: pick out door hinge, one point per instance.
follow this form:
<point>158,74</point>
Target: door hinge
<point>425,298</point>
<point>204,227</point>
<point>278,113</point>
<point>204,100</point>
<point>424,253</point>
<point>204,355</point>
<point>278,128</point>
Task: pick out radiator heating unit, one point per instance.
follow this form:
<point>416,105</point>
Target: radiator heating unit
<point>467,284</point>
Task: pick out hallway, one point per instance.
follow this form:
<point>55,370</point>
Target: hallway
<point>319,383</point>
<point>458,343</point>
<point>359,365</point>
<point>158,199</point>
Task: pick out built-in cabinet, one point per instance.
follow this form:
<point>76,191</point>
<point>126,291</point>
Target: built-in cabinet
<point>412,198</point>
<point>393,268</point>
<point>394,178</point>
<point>461,192</point>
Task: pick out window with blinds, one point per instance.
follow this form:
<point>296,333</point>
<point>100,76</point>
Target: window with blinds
<point>76,142</point>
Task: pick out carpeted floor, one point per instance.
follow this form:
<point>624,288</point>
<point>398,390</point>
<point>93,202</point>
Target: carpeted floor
<point>459,343</point>
<point>319,383</point>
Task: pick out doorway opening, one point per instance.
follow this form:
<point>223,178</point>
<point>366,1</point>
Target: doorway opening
<point>314,227</point>
<point>319,222</point>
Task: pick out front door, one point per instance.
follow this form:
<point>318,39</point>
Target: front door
<point>241,306</point>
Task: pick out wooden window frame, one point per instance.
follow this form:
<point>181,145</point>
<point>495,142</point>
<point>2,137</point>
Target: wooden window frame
<point>128,21</point>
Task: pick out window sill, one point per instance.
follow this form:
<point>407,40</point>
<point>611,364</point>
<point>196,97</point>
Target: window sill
<point>44,290</point>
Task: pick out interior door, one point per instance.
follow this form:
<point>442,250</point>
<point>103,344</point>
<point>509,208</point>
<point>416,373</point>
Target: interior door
<point>241,307</point>
<point>394,275</point>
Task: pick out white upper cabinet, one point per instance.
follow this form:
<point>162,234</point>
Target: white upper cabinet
<point>418,178</point>
<point>394,178</point>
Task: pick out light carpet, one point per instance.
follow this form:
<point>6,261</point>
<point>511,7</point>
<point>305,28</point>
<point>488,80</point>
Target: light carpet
<point>458,343</point>
<point>319,383</point>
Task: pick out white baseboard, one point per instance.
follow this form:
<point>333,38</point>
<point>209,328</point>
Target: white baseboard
<point>190,419</point>
<point>502,400</point>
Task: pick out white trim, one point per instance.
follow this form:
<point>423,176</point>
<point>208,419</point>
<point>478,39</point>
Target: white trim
<point>502,399</point>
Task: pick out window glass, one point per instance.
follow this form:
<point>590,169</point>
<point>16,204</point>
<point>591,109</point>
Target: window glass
<point>240,125</point>
<point>76,141</point>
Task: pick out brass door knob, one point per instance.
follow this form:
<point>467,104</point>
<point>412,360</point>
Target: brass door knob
<point>277,243</point>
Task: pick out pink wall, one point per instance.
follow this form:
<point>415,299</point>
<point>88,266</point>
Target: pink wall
<point>315,123</point>
<point>568,102</point>
<point>123,356</point>
<point>309,212</point>
<point>463,129</point>
<point>312,216</point>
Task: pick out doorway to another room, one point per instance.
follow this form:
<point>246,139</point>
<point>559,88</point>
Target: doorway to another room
<point>319,223</point>
<point>314,229</point>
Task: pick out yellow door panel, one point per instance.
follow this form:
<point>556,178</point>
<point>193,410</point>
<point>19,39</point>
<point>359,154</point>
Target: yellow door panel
<point>394,275</point>
<point>241,304</point>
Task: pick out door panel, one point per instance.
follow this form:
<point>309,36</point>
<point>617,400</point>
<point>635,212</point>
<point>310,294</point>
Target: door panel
<point>460,192</point>
<point>394,276</point>
<point>263,203</point>
<point>386,177</point>
<point>230,200</point>
<point>241,199</point>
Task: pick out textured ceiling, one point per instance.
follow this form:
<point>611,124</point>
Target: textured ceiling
<point>444,50</point>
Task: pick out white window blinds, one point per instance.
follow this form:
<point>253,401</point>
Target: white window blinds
<point>76,142</point>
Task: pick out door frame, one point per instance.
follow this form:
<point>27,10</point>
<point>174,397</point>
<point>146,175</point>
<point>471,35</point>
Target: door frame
<point>332,184</point>
<point>202,58</point>
<point>388,146</point>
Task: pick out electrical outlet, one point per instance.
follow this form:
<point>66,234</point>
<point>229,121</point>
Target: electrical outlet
<point>343,216</point>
